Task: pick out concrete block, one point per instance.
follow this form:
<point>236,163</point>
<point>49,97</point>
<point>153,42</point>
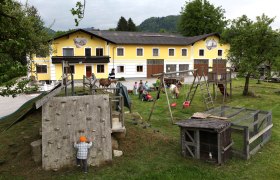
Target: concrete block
<point>117,153</point>
<point>115,143</point>
<point>36,151</point>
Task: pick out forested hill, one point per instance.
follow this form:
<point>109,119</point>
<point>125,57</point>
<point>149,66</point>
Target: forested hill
<point>160,24</point>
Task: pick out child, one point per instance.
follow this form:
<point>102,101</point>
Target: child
<point>158,83</point>
<point>82,152</point>
<point>135,88</point>
<point>140,89</point>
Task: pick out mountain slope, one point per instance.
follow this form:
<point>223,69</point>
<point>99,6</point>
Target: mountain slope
<point>157,24</point>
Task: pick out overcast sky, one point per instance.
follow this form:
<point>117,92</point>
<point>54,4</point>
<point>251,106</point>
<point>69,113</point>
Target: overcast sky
<point>104,14</point>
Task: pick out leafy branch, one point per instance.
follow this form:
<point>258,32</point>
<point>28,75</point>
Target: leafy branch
<point>79,11</point>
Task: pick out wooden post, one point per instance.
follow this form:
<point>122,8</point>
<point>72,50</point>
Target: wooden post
<point>167,98</point>
<point>256,125</point>
<point>84,86</point>
<point>72,84</point>
<point>197,142</point>
<point>246,143</point>
<point>158,95</point>
<point>219,149</point>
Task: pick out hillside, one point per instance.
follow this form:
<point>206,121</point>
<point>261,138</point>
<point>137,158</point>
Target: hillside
<point>157,24</point>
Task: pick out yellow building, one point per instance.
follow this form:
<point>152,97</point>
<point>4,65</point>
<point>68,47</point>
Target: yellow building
<point>132,54</point>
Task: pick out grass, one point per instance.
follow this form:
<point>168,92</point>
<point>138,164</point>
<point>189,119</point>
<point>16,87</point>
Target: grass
<point>154,153</point>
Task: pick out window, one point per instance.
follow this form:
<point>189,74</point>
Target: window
<point>171,52</point>
<point>87,51</point>
<point>99,51</point>
<point>70,69</point>
<point>120,69</point>
<point>201,52</point>
<point>155,52</point>
<point>68,51</point>
<point>139,68</point>
<point>100,68</point>
<point>41,68</point>
<point>220,52</point>
<point>184,52</point>
<point>40,56</point>
<point>139,51</point>
<point>120,51</point>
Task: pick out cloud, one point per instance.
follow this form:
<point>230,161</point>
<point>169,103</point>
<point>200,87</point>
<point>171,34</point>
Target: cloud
<point>104,14</point>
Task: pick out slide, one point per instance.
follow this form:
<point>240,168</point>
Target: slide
<point>222,88</point>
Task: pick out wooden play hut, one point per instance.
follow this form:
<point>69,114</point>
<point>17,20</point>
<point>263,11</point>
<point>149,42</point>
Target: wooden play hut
<point>207,139</point>
<point>251,128</point>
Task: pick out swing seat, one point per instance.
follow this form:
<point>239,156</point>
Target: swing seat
<point>173,104</point>
<point>186,104</point>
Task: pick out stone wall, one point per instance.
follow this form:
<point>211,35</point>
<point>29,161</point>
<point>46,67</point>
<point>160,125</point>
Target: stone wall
<point>65,119</point>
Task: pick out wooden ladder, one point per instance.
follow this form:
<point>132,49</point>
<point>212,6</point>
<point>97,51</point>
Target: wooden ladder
<point>204,88</point>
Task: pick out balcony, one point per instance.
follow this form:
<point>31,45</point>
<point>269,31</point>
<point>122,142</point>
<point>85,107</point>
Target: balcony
<point>80,59</point>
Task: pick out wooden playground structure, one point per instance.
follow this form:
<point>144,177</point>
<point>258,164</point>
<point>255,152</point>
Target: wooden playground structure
<point>216,76</point>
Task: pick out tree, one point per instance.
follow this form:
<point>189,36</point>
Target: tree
<point>251,44</point>
<point>200,17</point>
<point>122,24</point>
<point>130,25</point>
<point>22,34</point>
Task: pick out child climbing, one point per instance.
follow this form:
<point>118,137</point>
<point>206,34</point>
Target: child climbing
<point>135,88</point>
<point>82,145</point>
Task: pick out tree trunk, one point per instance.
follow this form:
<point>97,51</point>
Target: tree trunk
<point>246,87</point>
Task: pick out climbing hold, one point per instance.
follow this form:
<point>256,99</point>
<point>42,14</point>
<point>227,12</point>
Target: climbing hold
<point>47,119</point>
<point>56,129</point>
<point>57,113</point>
<point>89,118</point>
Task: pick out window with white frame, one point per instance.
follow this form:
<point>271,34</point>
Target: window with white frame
<point>139,68</point>
<point>155,52</point>
<point>68,51</point>
<point>100,68</point>
<point>99,51</point>
<point>41,68</point>
<point>171,52</point>
<point>184,52</point>
<point>220,52</point>
<point>120,69</point>
<point>69,69</point>
<point>139,51</point>
<point>201,52</point>
<point>120,51</point>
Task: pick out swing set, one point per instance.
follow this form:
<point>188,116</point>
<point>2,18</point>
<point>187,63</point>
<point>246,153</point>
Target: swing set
<point>199,80</point>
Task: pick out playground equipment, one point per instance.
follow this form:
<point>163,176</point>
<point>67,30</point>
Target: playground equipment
<point>220,77</point>
<point>199,80</point>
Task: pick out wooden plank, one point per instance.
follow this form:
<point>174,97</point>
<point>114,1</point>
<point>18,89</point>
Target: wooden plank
<point>248,117</point>
<point>246,143</point>
<point>257,121</point>
<point>234,114</point>
<point>256,149</point>
<point>219,149</point>
<point>192,140</point>
<point>46,98</point>
<point>260,133</point>
<point>189,150</point>
<point>226,148</point>
<point>197,148</point>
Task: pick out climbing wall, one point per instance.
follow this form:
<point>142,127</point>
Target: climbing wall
<point>65,119</point>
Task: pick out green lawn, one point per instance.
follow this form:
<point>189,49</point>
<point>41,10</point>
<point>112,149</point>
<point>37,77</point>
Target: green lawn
<point>154,153</point>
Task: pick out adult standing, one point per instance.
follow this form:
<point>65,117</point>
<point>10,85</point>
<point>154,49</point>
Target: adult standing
<point>112,75</point>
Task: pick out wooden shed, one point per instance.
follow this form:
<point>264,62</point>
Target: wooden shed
<point>207,139</point>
